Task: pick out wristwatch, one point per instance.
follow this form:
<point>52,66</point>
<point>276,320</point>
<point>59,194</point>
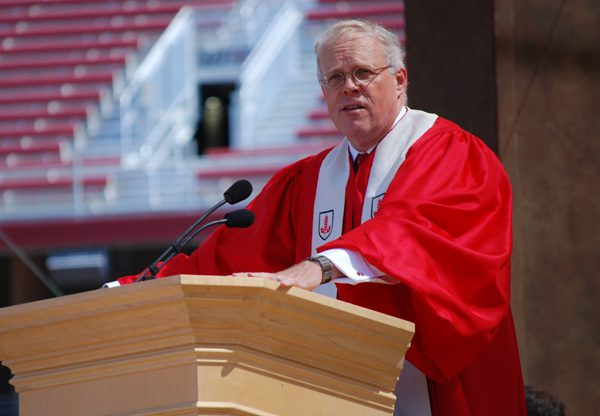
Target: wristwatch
<point>326,267</point>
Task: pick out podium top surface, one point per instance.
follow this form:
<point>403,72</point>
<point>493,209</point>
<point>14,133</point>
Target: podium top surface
<point>190,285</point>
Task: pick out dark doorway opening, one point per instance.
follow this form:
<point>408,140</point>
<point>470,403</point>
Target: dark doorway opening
<point>213,128</point>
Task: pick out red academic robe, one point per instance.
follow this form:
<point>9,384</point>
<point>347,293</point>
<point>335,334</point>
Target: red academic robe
<point>443,231</point>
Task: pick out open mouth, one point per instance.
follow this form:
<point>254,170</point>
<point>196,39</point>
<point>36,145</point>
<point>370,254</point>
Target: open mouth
<point>352,107</point>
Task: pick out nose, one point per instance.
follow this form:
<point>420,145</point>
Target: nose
<point>350,84</point>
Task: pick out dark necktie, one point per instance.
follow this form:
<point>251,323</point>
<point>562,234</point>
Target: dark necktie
<point>355,191</point>
<point>360,158</point>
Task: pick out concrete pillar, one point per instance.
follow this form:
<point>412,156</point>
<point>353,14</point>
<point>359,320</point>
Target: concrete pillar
<point>548,66</point>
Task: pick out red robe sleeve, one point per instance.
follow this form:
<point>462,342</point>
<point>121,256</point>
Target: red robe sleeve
<point>272,243</point>
<point>443,231</point>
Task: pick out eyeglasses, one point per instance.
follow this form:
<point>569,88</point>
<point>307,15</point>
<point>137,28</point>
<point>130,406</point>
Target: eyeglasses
<point>363,76</point>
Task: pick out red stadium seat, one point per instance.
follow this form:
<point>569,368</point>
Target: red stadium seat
<point>33,114</point>
<point>294,150</point>
<point>41,164</point>
<point>48,63</point>
<point>240,172</point>
<point>67,46</point>
<point>318,114</point>
<point>43,148</point>
<point>70,4</point>
<point>37,80</point>
<point>84,95</point>
<point>109,10</point>
<point>328,130</point>
<point>55,130</point>
<point>16,3</point>
<point>356,11</point>
<point>48,183</point>
<point>45,31</point>
<point>344,1</point>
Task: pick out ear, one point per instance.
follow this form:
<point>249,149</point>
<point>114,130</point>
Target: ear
<point>401,82</point>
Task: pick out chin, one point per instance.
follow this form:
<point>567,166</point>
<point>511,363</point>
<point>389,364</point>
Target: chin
<point>355,131</point>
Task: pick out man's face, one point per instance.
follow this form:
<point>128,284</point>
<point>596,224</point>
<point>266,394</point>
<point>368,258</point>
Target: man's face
<point>363,112</point>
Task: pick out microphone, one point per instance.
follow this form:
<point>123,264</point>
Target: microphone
<point>237,192</point>
<point>241,218</point>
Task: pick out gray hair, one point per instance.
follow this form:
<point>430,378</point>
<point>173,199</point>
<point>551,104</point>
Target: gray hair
<point>393,50</point>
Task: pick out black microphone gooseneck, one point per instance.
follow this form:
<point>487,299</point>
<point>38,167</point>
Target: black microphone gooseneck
<point>241,218</point>
<point>236,219</point>
<point>237,192</point>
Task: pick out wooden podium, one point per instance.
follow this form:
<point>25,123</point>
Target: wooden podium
<point>202,345</point>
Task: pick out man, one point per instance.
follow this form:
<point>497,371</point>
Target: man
<point>420,229</point>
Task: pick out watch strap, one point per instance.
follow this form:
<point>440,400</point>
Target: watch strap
<point>326,267</point>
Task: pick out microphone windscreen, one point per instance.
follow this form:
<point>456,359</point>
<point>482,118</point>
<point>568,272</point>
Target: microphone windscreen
<point>237,192</point>
<point>241,218</point>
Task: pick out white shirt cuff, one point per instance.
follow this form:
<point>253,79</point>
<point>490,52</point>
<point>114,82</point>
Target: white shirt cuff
<point>354,267</point>
<point>114,283</point>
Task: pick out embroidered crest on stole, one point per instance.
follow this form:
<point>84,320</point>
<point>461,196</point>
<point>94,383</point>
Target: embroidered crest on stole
<point>376,203</point>
<point>325,224</point>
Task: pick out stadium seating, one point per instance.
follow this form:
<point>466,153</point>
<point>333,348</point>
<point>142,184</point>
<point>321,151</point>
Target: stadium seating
<point>236,164</point>
<point>34,114</point>
<point>8,49</point>
<point>43,98</point>
<point>358,10</point>
<point>58,61</point>
<point>37,184</point>
<point>54,130</point>
<point>62,60</point>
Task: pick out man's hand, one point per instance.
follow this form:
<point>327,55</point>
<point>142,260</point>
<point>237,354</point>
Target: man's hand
<point>306,275</point>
